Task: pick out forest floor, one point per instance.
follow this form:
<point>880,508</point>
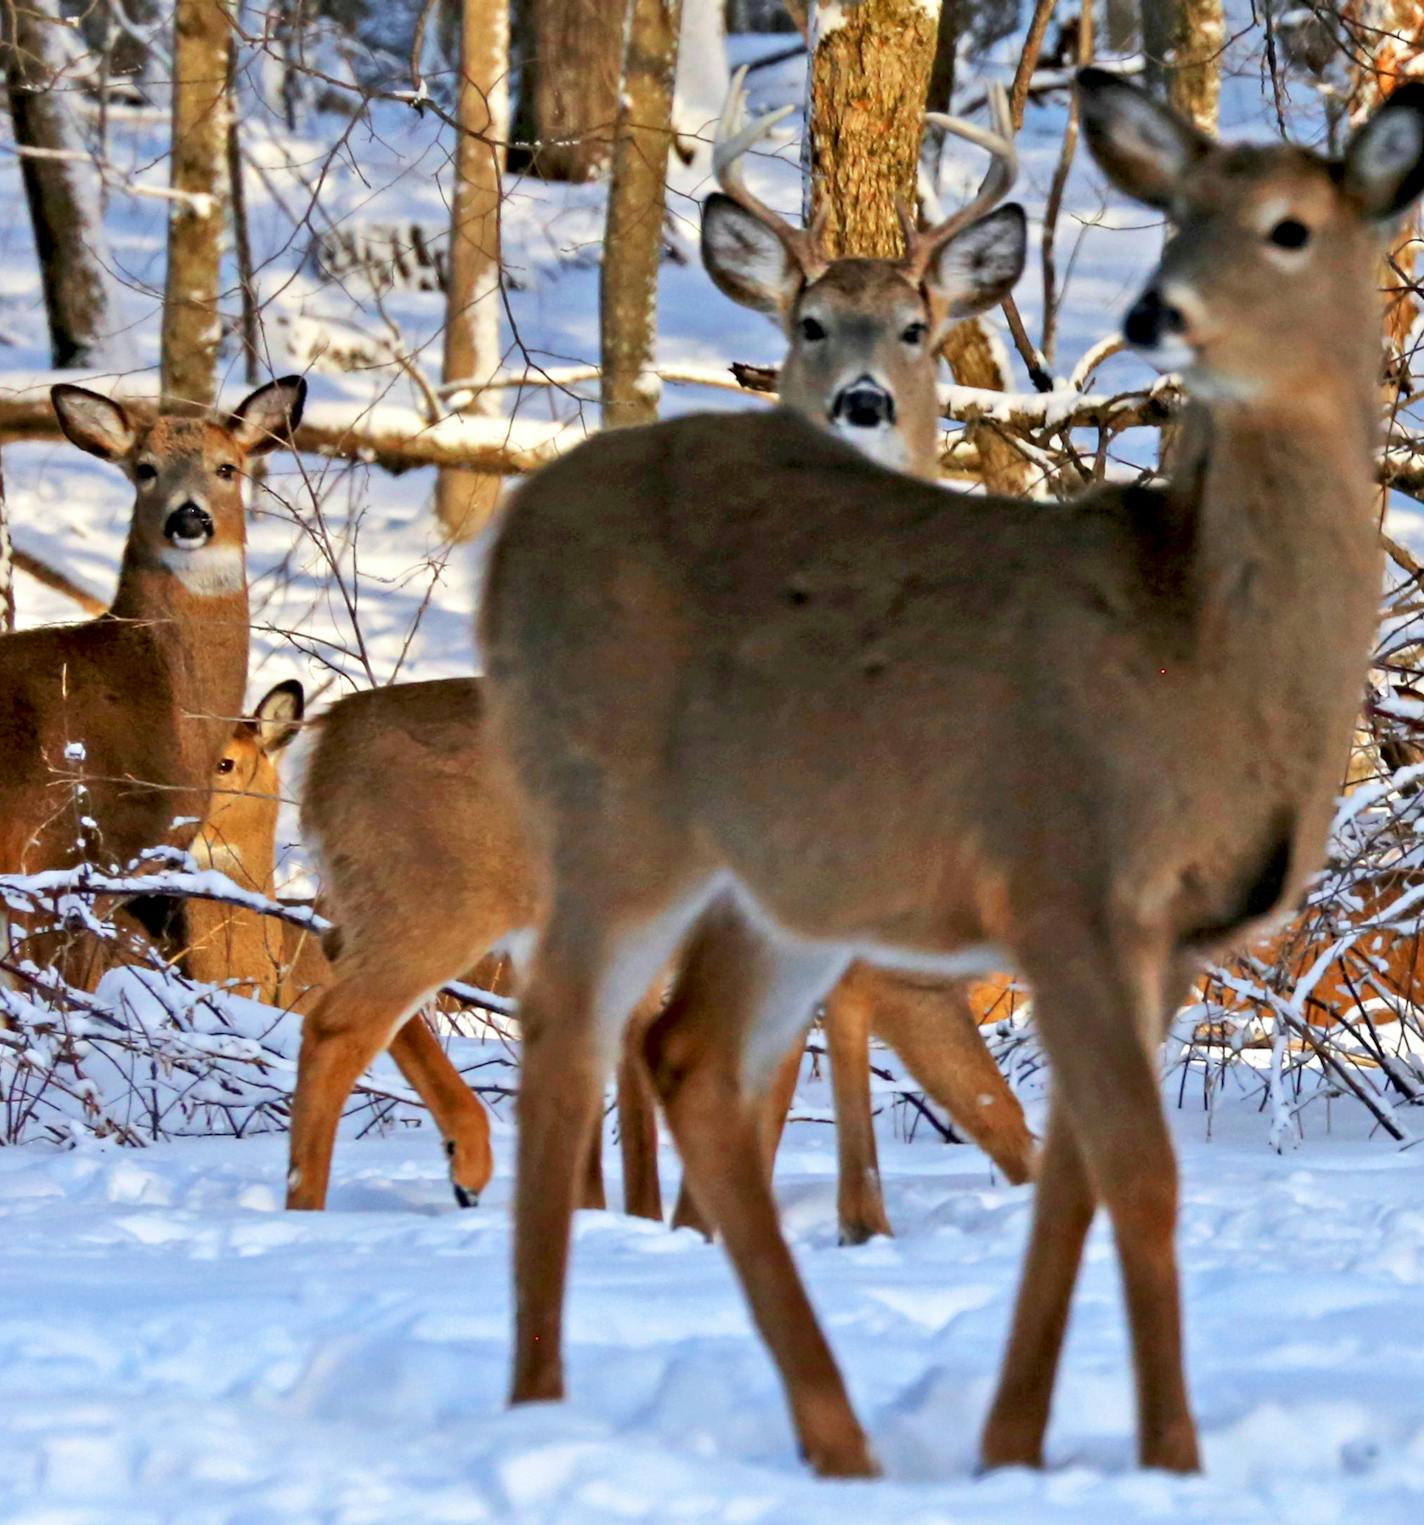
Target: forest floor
<point>174,1347</point>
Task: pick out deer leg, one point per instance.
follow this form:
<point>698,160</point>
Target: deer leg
<point>860,1206</point>
<point>591,1195</point>
<point>695,1054</point>
<point>353,1021</point>
<point>462,1120</point>
<point>560,1086</point>
<point>638,1116</point>
<point>773,1109</point>
<point>932,1028</point>
<point>1101,1035</point>
<point>1063,1212</point>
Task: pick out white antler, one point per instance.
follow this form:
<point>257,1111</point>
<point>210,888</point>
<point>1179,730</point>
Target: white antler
<point>733,141</point>
<point>998,141</point>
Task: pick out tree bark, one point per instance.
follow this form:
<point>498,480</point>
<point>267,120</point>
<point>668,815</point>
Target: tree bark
<point>7,563</point>
<point>464,498</point>
<point>868,83</point>
<point>80,303</point>
<point>1182,41</point>
<point>192,325</point>
<point>632,243</point>
<point>572,55</point>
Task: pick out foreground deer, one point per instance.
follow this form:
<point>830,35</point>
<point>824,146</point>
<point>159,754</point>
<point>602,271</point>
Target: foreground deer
<point>269,960</point>
<point>424,858</point>
<point>772,708</point>
<point>110,730</point>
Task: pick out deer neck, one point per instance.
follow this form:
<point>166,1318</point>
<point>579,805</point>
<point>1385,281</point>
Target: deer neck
<point>198,625</point>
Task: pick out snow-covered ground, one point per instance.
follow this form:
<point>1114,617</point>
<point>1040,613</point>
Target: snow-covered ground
<point>174,1347</point>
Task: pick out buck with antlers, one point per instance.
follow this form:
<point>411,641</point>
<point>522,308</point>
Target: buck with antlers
<point>110,730</point>
<point>863,340</point>
<point>845,713</point>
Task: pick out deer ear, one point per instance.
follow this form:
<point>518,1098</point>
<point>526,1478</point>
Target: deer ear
<point>279,716</point>
<point>270,415</point>
<point>746,260</point>
<point>92,422</point>
<point>1383,167</point>
<point>1142,146</point>
<point>977,268</point>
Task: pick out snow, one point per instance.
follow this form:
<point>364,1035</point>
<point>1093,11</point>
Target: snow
<point>174,1346</point>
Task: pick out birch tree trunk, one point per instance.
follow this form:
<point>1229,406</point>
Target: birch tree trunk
<point>1387,39</point>
<point>81,304</point>
<point>632,242</point>
<point>192,325</point>
<point>572,56</point>
<point>1182,41</point>
<point>465,498</point>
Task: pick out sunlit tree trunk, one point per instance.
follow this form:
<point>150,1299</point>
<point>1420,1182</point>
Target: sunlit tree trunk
<point>465,498</point>
<point>81,304</point>
<point>192,325</point>
<point>1182,40</point>
<point>628,287</point>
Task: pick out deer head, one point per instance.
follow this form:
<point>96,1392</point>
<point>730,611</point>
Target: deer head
<point>864,333</point>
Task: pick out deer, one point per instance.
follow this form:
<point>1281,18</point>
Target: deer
<point>861,361</point>
<point>847,714</point>
<point>111,728</point>
<point>278,963</point>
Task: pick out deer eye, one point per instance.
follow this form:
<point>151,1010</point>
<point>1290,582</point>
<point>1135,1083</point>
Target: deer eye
<point>226,765</point>
<point>915,333</point>
<point>1289,234</point>
<point>143,472</point>
<point>811,330</point>
<point>227,471</point>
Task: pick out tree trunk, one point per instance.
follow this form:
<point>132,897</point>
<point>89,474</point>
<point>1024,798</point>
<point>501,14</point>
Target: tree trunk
<point>632,242</point>
<point>464,498</point>
<point>192,325</point>
<point>7,563</point>
<point>868,83</point>
<point>1182,41</point>
<point>80,302</point>
<point>1387,38</point>
<point>572,55</point>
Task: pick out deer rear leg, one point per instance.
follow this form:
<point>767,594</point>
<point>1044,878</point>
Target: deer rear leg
<point>1063,1213</point>
<point>560,1088</point>
<point>931,1027</point>
<point>638,1115</point>
<point>860,1205</point>
<point>352,1022</point>
<point>772,1110</point>
<point>695,1058</point>
<point>458,1113</point>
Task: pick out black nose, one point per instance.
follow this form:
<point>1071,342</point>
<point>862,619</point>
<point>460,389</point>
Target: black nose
<point>188,524</point>
<point>864,404</point>
<point>1151,319</point>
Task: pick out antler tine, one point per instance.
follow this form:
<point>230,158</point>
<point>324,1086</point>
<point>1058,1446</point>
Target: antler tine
<point>1003,170</point>
<point>731,143</point>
